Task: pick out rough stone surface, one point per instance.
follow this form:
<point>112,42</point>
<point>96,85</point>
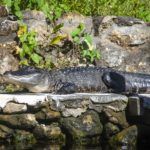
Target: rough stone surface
<point>23,138</point>
<point>122,39</point>
<point>47,114</point>
<point>3,11</point>
<point>26,98</point>
<point>7,62</point>
<point>76,104</point>
<point>80,118</point>
<point>49,132</point>
<point>110,130</point>
<point>36,21</point>
<point>72,20</point>
<point>14,108</point>
<point>20,121</point>
<point>7,26</point>
<point>126,138</point>
<point>118,118</point>
<point>70,107</point>
<point>8,44</point>
<point>5,133</point>
<point>85,126</point>
<point>78,100</point>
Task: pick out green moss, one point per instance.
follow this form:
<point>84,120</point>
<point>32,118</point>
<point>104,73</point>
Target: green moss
<point>126,137</point>
<point>11,88</point>
<point>23,136</point>
<point>84,130</point>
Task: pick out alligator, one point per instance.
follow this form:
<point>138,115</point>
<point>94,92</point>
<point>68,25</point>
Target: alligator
<point>67,80</point>
<point>79,79</point>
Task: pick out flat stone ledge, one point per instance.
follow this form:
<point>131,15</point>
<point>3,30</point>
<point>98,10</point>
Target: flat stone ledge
<point>102,98</point>
<point>34,98</point>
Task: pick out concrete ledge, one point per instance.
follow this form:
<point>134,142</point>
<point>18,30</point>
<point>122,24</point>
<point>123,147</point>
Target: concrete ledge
<point>35,98</point>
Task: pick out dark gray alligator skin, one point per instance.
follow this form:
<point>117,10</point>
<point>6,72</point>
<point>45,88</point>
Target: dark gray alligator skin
<point>78,79</point>
<point>83,79</point>
<point>127,82</point>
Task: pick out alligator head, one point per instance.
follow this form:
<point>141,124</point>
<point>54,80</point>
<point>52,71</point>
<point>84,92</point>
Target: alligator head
<point>33,79</point>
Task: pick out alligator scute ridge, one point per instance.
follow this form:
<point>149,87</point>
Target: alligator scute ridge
<point>79,79</point>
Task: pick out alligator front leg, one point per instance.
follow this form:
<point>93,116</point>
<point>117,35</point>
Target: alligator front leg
<point>67,88</point>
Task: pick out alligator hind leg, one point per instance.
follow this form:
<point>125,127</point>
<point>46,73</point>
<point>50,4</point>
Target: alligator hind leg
<point>67,88</point>
<point>114,81</point>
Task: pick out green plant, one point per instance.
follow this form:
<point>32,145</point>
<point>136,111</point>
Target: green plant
<point>83,41</point>
<point>14,5</point>
<point>52,9</point>
<point>28,50</point>
<point>28,45</point>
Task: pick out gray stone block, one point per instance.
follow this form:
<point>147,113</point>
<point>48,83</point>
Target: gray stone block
<point>134,106</point>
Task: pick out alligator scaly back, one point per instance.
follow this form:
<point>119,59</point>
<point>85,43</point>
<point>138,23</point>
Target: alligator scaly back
<point>78,79</point>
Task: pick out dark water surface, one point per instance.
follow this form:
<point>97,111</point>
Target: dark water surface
<point>144,145</point>
<point>47,147</point>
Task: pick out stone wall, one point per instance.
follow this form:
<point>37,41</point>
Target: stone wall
<point>74,119</point>
<point>8,44</point>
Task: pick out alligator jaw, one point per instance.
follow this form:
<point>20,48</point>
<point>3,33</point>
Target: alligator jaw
<point>19,80</point>
<point>35,82</point>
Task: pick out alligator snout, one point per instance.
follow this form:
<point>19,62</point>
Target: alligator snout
<point>6,73</point>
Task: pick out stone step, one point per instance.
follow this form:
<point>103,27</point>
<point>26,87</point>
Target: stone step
<point>34,98</point>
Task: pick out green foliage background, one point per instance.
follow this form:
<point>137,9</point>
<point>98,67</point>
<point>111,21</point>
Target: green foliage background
<point>135,8</point>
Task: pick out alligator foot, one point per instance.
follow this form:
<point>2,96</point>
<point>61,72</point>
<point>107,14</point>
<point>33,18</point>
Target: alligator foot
<point>67,88</point>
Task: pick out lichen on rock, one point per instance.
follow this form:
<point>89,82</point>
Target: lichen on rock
<point>51,133</point>
<point>126,138</point>
<point>81,128</point>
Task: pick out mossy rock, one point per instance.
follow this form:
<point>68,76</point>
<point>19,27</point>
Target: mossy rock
<point>127,138</point>
<point>110,129</point>
<point>5,133</point>
<point>46,114</point>
<point>23,139</point>
<point>84,130</point>
<point>50,133</point>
